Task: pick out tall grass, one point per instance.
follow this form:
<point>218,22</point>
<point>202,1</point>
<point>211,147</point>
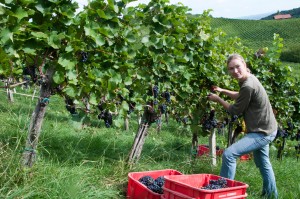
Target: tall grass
<point>89,161</point>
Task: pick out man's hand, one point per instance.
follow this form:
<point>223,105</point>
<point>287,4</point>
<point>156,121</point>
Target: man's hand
<point>216,89</point>
<point>213,97</point>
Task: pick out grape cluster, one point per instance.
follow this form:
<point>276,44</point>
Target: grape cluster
<point>70,106</point>
<point>167,96</point>
<point>31,71</point>
<point>290,126</point>
<point>84,56</point>
<point>234,118</point>
<point>131,92</point>
<point>107,117</point>
<point>210,122</point>
<point>163,108</point>
<point>281,133</point>
<point>222,124</point>
<point>27,79</point>
<point>185,120</point>
<point>150,116</point>
<point>155,185</point>
<point>216,184</point>
<point>155,91</point>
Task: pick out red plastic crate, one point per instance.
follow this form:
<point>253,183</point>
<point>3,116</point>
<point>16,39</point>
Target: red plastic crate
<point>245,157</point>
<point>204,150</point>
<point>137,190</point>
<point>174,195</point>
<point>189,185</point>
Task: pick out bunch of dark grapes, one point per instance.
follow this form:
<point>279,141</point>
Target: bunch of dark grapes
<point>84,56</point>
<point>210,122</point>
<point>234,118</point>
<point>163,108</point>
<point>281,133</point>
<point>107,117</point>
<point>31,71</point>
<point>222,124</point>
<point>216,184</point>
<point>100,106</point>
<point>154,185</point>
<point>150,116</point>
<point>185,120</point>
<point>290,126</point>
<point>27,79</point>
<point>155,91</point>
<point>70,106</point>
<point>167,96</point>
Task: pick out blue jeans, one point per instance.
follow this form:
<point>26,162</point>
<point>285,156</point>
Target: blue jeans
<point>258,143</point>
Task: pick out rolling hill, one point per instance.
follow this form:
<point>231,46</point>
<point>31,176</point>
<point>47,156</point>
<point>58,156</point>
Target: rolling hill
<point>294,12</point>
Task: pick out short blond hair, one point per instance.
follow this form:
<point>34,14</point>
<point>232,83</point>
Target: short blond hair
<point>235,56</point>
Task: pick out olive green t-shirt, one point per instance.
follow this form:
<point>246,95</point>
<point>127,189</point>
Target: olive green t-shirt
<point>253,103</point>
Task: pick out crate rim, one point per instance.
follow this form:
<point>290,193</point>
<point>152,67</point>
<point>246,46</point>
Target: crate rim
<point>150,171</point>
<point>214,190</point>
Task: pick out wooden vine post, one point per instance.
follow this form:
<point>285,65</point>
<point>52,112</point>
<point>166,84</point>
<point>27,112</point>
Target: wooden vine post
<point>149,117</point>
<point>138,144</point>
<point>126,123</point>
<point>212,147</point>
<point>29,155</point>
<point>9,92</point>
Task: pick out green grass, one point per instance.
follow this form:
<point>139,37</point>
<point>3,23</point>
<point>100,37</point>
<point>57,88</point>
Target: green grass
<point>89,162</point>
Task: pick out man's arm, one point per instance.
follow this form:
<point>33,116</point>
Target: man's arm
<point>232,94</point>
<point>216,98</point>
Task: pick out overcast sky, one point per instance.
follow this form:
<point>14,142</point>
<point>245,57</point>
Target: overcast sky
<point>230,8</point>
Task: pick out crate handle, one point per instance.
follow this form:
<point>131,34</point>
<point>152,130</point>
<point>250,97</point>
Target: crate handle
<point>238,197</point>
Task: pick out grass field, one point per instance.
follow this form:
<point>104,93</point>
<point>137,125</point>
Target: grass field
<point>89,162</point>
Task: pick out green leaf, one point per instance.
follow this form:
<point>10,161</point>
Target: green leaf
<point>71,75</point>
<point>116,78</point>
<point>125,105</point>
<point>55,40</point>
<point>29,50</point>
<point>104,15</point>
<point>204,36</point>
<point>69,48</point>
<point>58,77</point>
<point>130,37</point>
<point>100,40</point>
<point>145,39</point>
<point>39,35</point>
<point>20,13</point>
<point>70,91</point>
<point>6,35</point>
<point>128,81</point>
<point>66,63</point>
<point>118,122</point>
<point>93,99</point>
